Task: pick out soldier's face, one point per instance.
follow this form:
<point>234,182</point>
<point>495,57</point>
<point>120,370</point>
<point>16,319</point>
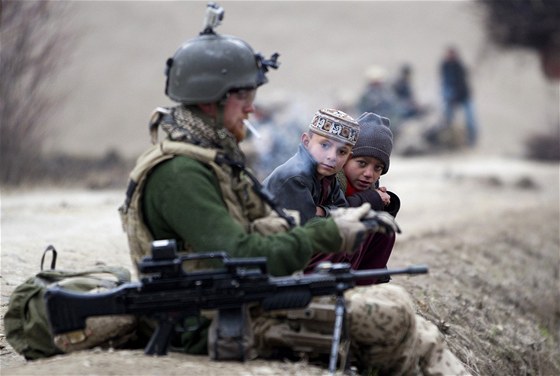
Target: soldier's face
<point>239,104</point>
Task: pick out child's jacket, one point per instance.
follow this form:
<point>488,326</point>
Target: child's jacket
<point>295,186</point>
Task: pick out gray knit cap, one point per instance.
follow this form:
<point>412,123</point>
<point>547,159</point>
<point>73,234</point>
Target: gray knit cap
<point>375,139</point>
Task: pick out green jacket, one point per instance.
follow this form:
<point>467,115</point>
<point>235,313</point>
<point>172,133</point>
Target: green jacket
<point>182,200</point>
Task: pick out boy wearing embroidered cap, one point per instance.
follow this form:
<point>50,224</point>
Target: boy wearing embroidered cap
<point>307,181</point>
<point>359,180</point>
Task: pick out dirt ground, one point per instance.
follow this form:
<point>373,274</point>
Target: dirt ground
<point>488,227</point>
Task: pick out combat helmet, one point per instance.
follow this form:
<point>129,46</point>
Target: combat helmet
<point>205,68</point>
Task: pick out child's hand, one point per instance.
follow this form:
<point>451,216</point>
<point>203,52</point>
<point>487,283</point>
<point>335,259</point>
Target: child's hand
<point>384,195</point>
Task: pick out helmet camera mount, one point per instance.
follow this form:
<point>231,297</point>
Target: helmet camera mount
<point>213,18</point>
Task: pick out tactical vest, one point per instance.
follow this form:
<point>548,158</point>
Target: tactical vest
<point>242,202</point>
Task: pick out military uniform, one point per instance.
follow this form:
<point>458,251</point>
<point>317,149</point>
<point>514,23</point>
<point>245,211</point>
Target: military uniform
<point>202,196</point>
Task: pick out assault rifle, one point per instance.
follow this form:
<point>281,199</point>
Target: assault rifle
<point>169,293</point>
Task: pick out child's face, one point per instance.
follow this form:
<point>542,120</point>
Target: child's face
<point>363,172</point>
<point>329,154</point>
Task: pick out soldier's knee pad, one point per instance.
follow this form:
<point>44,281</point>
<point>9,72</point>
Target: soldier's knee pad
<point>381,315</point>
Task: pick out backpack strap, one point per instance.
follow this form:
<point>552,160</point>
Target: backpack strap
<point>122,275</point>
<point>50,248</point>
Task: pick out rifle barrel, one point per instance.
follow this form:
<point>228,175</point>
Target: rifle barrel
<point>412,269</point>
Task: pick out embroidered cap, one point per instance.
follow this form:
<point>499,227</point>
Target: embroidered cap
<point>336,125</point>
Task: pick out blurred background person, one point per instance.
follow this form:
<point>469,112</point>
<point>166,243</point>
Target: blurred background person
<point>390,98</point>
<point>456,92</point>
<point>278,122</point>
<point>404,91</point>
<point>378,96</point>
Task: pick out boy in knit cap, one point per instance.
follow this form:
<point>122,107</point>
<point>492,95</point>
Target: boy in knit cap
<point>370,159</point>
<point>307,181</point>
<point>359,180</point>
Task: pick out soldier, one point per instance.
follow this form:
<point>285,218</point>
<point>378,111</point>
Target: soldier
<point>193,187</point>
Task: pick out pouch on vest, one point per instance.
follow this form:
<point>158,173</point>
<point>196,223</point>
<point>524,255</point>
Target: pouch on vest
<point>230,336</point>
<point>308,330</point>
<point>26,321</point>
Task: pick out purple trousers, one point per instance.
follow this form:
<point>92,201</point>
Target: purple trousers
<point>373,253</point>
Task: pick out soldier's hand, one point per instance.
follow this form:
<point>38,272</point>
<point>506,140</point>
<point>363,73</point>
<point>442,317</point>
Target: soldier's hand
<point>380,221</point>
<point>350,226</point>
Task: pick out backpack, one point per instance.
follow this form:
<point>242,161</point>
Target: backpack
<point>26,322</point>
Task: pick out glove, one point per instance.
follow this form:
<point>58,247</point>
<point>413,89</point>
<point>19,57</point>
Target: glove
<point>354,223</point>
<point>380,221</point>
<point>350,227</point>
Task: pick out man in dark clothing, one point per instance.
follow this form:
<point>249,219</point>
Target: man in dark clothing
<point>456,92</point>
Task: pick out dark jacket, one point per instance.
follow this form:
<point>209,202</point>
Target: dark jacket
<point>371,196</point>
<point>295,186</point>
<point>454,81</point>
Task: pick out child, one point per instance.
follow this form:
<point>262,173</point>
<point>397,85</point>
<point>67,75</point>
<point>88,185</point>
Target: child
<point>370,160</point>
<point>359,180</point>
<point>307,181</point>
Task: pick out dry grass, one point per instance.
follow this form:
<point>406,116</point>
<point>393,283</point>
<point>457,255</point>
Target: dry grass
<point>501,313</point>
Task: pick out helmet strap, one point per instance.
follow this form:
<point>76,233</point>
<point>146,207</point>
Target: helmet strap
<point>220,110</point>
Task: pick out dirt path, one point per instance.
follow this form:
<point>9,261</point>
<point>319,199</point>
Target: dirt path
<point>488,229</point>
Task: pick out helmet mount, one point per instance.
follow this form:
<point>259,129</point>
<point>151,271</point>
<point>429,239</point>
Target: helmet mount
<point>213,18</point>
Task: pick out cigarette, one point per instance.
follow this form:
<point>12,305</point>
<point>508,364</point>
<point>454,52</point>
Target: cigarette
<point>252,128</point>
